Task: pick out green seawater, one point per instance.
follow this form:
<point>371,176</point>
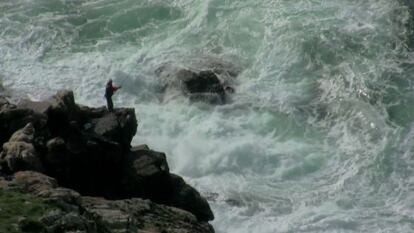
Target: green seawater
<point>318,136</point>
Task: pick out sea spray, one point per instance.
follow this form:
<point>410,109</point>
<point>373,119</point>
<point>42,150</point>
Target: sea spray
<point>318,136</point>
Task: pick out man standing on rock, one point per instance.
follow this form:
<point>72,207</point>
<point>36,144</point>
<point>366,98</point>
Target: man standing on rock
<point>109,91</point>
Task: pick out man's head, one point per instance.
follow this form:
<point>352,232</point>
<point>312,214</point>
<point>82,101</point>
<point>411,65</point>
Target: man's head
<point>109,82</point>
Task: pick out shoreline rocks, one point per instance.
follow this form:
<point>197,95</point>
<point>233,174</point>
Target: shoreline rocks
<point>87,151</point>
<point>67,211</point>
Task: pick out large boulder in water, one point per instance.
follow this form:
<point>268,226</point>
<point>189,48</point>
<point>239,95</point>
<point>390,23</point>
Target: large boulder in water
<point>202,82</point>
<point>196,85</point>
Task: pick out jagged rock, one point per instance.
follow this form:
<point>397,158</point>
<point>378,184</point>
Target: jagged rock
<point>64,100</point>
<point>186,197</point>
<point>107,126</point>
<point>18,156</point>
<point>128,125</point>
<point>34,182</point>
<point>137,215</point>
<point>197,86</point>
<point>80,145</point>
<point>119,126</point>
<point>46,187</point>
<point>88,150</point>
<point>19,153</point>
<point>98,215</point>
<point>60,105</point>
<point>40,107</point>
<point>146,173</point>
<point>12,119</point>
<point>202,82</point>
<point>3,102</point>
<point>204,85</point>
<point>24,135</point>
<point>72,222</point>
<point>87,163</point>
<point>60,111</point>
<point>65,117</point>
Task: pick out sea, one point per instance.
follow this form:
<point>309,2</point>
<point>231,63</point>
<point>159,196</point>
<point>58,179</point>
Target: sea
<point>318,136</point>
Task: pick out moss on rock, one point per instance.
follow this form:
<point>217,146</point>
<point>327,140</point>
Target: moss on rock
<point>18,208</point>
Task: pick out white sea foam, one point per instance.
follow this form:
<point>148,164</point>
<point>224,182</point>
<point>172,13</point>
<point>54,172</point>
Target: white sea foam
<point>318,137</point>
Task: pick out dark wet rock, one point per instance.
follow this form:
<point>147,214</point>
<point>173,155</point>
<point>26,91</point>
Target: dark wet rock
<point>146,173</point>
<point>203,85</point>
<point>107,125</point>
<point>186,197</point>
<point>136,215</point>
<point>98,215</point>
<point>87,151</point>
<point>119,126</point>
<point>31,226</point>
<point>202,82</point>
<point>65,118</point>
<point>82,147</point>
<point>87,163</point>
<point>3,102</point>
<point>13,119</point>
<point>60,108</point>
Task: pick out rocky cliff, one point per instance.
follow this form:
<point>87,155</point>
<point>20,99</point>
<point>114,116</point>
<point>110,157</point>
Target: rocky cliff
<point>79,162</point>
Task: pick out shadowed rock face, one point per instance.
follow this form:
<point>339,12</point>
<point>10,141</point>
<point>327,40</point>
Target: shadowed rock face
<point>147,174</point>
<point>88,150</point>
